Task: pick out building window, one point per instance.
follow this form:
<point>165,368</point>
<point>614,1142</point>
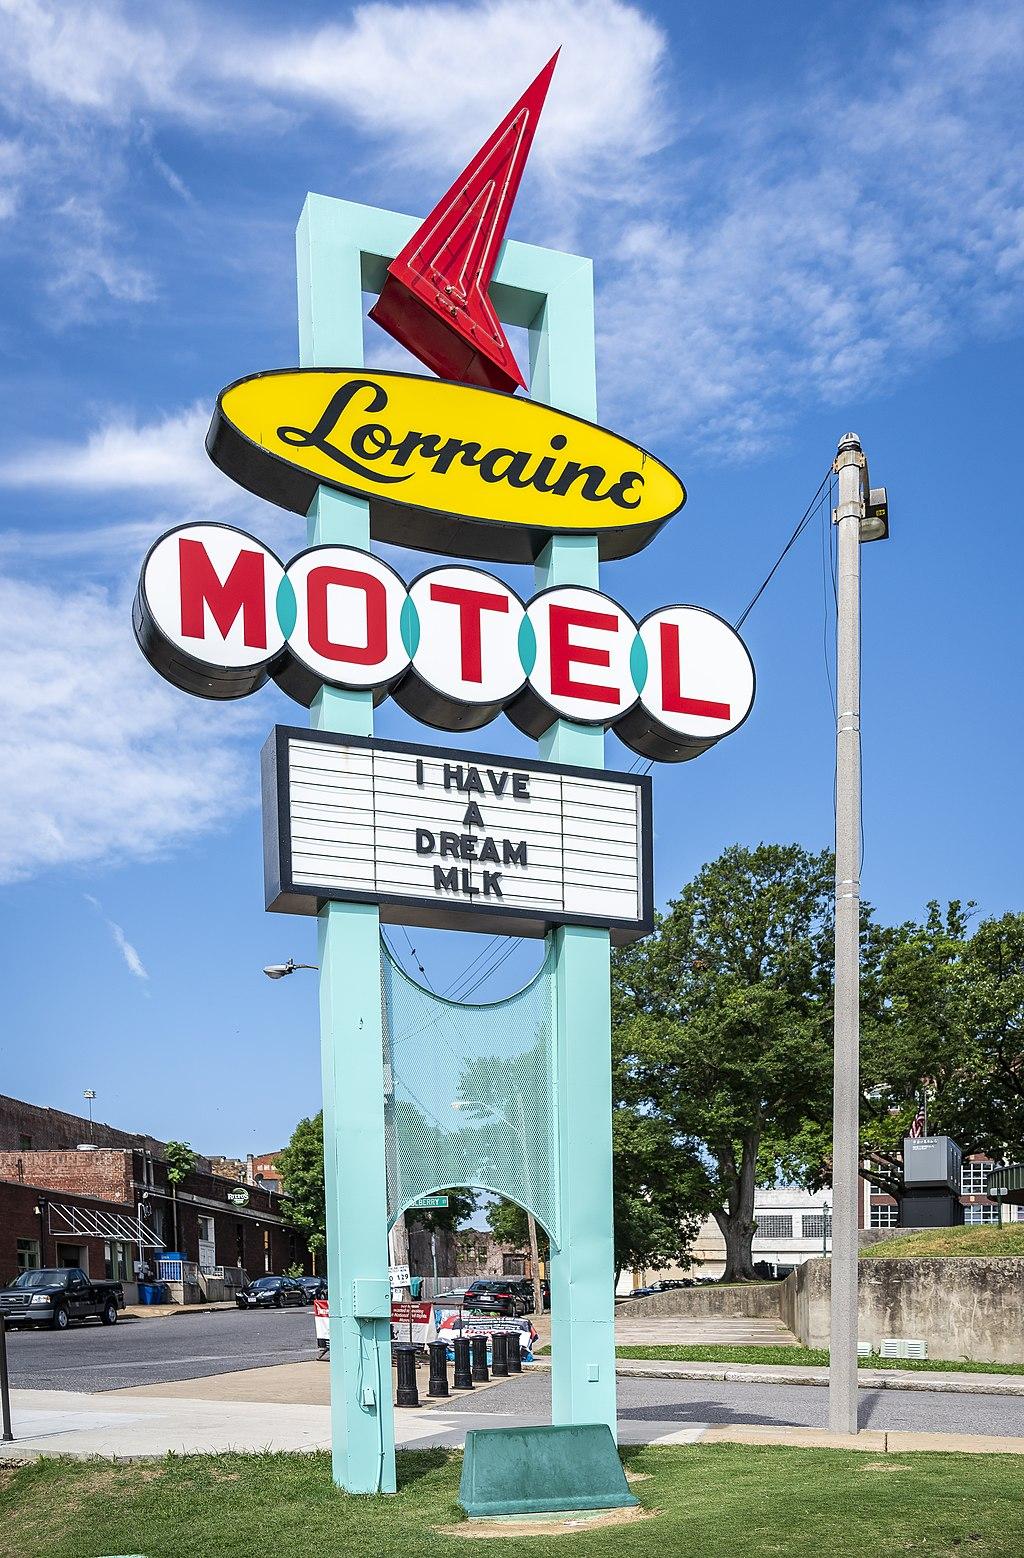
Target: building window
<point>206,1229</point>
<point>885,1216</point>
<point>774,1225</point>
<point>814,1225</point>
<point>28,1254</point>
<point>974,1178</point>
<point>117,1260</point>
<point>984,1213</point>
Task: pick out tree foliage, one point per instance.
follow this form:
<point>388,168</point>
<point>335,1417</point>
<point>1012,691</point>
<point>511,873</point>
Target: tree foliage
<point>180,1160</point>
<point>723,1027</point>
<point>301,1166</point>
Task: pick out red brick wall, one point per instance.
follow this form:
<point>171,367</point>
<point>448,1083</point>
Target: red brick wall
<point>105,1173</point>
<point>19,1220</point>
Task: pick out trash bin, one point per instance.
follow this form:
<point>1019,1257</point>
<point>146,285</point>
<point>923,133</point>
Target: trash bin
<point>146,1292</point>
<point>415,1287</point>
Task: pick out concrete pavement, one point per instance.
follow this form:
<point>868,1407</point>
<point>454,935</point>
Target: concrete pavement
<point>142,1426</point>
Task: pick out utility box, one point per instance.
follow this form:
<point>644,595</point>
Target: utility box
<point>933,1161</point>
<point>930,1209</point>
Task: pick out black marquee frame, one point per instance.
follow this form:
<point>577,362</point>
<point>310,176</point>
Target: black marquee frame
<point>286,895</point>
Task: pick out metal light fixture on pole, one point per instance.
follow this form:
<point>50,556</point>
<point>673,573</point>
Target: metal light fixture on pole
<point>860,515</point>
<point>89,1094</point>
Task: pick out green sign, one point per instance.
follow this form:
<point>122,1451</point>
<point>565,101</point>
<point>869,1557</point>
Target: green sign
<point>239,1196</point>
<point>433,1201</point>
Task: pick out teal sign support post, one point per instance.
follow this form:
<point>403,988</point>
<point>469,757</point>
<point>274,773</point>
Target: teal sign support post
<point>343,251</point>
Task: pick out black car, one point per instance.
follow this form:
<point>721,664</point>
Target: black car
<point>497,1296</point>
<point>314,1287</point>
<point>524,1287</point>
<point>271,1293</point>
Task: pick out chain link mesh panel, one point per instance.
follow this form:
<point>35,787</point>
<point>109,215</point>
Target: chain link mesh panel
<point>470,1093</point>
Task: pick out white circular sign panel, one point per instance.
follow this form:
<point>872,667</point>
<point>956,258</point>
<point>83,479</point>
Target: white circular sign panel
<point>699,685</point>
<point>466,664</point>
<point>205,611</point>
<point>581,670</point>
<point>343,614</point>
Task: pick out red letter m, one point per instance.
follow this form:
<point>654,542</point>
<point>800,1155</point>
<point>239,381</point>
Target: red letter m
<point>242,591</point>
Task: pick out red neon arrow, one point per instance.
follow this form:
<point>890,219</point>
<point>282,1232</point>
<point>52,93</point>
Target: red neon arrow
<point>435,300</point>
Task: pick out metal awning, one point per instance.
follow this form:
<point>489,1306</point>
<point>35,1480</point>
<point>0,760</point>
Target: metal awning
<point>101,1225</point>
<point>1007,1183</point>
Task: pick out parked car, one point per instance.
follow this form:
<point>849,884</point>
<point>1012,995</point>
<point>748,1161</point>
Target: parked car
<point>497,1296</point>
<point>313,1287</point>
<point>524,1287</point>
<point>270,1293</point>
<point>55,1296</point>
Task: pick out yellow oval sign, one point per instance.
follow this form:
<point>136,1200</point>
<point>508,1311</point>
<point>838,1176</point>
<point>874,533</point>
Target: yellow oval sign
<point>446,467</point>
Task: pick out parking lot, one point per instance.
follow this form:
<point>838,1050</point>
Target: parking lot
<point>137,1351</point>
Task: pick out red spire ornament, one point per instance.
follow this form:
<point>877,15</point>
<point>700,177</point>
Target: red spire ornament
<point>435,299</point>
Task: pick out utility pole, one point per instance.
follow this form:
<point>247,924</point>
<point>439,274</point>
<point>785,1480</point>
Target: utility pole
<point>860,515</point>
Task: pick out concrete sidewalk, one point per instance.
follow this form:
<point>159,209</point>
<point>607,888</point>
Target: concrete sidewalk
<point>144,1427</point>
<point>784,1374</point>
<point>163,1311</point>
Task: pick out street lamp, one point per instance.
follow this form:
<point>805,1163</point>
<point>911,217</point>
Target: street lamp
<point>280,970</point>
<point>89,1094</point>
<point>825,1210</point>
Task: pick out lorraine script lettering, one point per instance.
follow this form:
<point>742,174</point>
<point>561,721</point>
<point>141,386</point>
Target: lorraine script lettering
<point>380,453</point>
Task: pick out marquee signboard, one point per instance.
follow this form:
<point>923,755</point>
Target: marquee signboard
<point>453,838</point>
<point>218,614</point>
<point>449,468</point>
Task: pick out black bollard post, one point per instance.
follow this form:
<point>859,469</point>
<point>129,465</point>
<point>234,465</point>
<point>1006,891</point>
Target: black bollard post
<point>463,1377</point>
<point>478,1351</point>
<point>515,1361</point>
<point>405,1356</point>
<point>5,1387</point>
<point>437,1385</point>
<point>499,1355</point>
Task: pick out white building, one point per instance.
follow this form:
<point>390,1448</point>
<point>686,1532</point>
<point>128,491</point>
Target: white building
<point>790,1229</point>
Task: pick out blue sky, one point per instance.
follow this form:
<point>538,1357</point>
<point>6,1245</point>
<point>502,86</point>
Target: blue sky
<point>804,219</point>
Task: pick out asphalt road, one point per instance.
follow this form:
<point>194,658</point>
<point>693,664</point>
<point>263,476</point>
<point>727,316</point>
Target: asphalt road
<point>146,1352</point>
<point>659,1406</point>
<point>183,1347</point>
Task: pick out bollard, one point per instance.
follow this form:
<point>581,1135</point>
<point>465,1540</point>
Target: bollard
<point>499,1355</point>
<point>405,1355</point>
<point>5,1387</point>
<point>478,1352</point>
<point>463,1378</point>
<point>515,1360</point>
<point>437,1385</point>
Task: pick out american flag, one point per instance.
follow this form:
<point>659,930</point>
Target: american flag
<point>917,1124</point>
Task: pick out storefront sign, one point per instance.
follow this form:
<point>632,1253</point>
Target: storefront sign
<point>453,838</point>
<point>239,1196</point>
<point>218,614</point>
<point>449,468</point>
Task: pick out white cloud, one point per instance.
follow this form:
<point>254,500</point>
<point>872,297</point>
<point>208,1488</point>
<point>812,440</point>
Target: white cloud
<point>167,454</point>
<point>103,761</point>
<point>842,241</point>
<point>133,962</point>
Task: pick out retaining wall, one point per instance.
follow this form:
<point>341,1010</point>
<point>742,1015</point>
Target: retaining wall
<point>961,1306</point>
<point>753,1300</point>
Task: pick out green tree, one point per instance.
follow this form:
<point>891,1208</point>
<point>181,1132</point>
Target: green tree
<point>943,1013</point>
<point>723,1026</point>
<point>181,1161</point>
<point>656,1198</point>
<point>301,1165</point>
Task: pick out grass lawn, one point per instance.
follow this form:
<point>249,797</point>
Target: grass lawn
<point>716,1500</point>
<point>805,1357</point>
<point>972,1239</point>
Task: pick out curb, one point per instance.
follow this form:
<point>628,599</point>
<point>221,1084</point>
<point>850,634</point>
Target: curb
<point>779,1374</point>
<point>167,1311</point>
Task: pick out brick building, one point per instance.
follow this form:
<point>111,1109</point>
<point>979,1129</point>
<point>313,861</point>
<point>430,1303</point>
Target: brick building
<point>87,1204</point>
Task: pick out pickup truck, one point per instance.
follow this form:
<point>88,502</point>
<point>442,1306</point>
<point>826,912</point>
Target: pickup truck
<point>55,1296</point>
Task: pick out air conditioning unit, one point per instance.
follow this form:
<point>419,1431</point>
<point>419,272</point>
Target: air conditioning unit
<point>898,1347</point>
<point>863,1349</point>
